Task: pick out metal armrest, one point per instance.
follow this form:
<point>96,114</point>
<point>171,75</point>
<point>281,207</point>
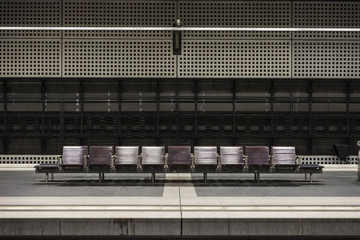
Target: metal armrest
<point>166,160</point>
<point>218,161</point>
<point>113,157</point>
<point>192,160</point>
<point>139,161</point>
<point>297,159</point>
<point>59,160</point>
<point>86,157</point>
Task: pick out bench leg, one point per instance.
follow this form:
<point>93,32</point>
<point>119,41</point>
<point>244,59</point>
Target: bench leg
<point>99,177</point>
<point>152,177</point>
<point>52,177</point>
<point>205,177</point>
<point>46,178</point>
<point>257,176</point>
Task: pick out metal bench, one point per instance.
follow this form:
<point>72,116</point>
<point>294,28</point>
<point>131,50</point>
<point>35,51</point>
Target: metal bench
<point>284,157</point>
<point>126,158</point>
<point>231,159</point>
<point>152,160</point>
<point>100,159</point>
<point>206,159</point>
<point>178,158</point>
<point>73,159</point>
<point>310,169</point>
<point>257,158</point>
<point>358,161</point>
<point>74,156</point>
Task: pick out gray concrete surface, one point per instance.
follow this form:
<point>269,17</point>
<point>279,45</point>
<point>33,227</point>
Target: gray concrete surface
<point>25,183</point>
<point>179,205</point>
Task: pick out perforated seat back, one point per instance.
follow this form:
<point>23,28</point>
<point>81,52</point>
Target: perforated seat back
<point>153,155</point>
<point>283,155</point>
<point>232,155</point>
<point>74,155</point>
<point>179,155</point>
<point>205,155</point>
<point>127,155</point>
<point>100,155</point>
<point>257,155</point>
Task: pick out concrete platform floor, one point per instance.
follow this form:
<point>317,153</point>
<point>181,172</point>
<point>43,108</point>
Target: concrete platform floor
<point>180,205</point>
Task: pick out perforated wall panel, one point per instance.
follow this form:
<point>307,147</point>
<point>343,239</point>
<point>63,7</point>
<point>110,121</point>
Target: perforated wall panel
<point>242,59</point>
<point>326,59</point>
<point>326,35</point>
<point>30,13</point>
<point>326,13</point>
<point>30,58</point>
<point>235,35</point>
<point>118,58</point>
<point>118,34</point>
<point>235,13</point>
<point>12,34</point>
<point>119,13</point>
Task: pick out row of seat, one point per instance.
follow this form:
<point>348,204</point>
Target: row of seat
<point>250,156</point>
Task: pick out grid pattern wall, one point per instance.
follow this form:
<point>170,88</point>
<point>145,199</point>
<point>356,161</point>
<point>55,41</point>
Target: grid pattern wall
<point>322,159</point>
<point>30,13</point>
<point>326,35</point>
<point>219,54</point>
<point>235,14</point>
<point>326,59</point>
<point>235,59</point>
<point>119,13</point>
<point>118,58</point>
<point>28,159</point>
<point>244,35</point>
<point>161,35</point>
<point>326,13</point>
<point>30,58</point>
<point>321,58</point>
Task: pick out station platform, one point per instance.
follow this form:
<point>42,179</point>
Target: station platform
<point>180,205</point>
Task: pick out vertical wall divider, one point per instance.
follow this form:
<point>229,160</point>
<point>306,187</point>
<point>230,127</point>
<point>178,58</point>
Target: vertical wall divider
<point>196,99</point>
<point>81,93</point>
<point>310,99</point>
<point>234,112</point>
<point>272,99</point>
<point>43,106</point>
<point>157,112</point>
<point>119,112</point>
<point>5,100</point>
